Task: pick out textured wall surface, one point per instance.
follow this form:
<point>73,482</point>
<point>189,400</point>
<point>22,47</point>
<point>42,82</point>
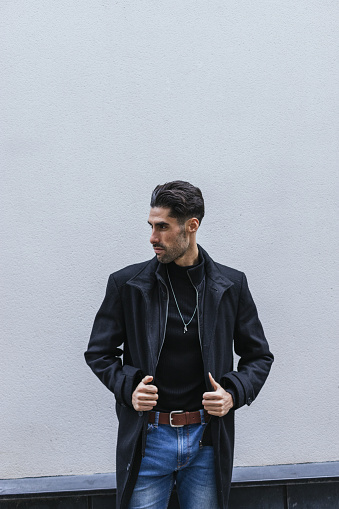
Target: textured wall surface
<point>100,102</point>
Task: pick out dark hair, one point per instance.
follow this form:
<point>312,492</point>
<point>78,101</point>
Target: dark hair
<point>184,200</point>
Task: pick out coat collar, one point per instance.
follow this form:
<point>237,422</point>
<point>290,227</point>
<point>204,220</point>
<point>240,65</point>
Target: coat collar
<point>215,287</point>
<point>146,278</point>
<point>215,278</point>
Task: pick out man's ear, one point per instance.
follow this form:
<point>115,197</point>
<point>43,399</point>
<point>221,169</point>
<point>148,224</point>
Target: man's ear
<point>193,225</point>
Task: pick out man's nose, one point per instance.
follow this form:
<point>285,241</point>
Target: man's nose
<point>154,237</point>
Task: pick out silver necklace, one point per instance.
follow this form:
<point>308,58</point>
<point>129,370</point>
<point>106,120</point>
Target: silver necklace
<point>175,299</point>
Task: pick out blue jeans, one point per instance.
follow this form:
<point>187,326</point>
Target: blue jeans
<point>173,454</point>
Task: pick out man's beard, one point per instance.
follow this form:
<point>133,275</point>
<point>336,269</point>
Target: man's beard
<point>172,253</point>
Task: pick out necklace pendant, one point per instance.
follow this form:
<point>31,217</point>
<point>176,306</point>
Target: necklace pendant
<point>185,329</point>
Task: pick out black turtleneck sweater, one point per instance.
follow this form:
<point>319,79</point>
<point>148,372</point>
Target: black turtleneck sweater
<point>180,373</point>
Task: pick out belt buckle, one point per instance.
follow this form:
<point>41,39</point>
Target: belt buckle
<point>170,418</point>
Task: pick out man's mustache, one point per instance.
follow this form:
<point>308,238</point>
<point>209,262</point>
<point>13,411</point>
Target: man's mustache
<point>158,245</point>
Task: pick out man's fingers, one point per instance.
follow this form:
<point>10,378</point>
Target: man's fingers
<point>219,412</point>
<point>143,387</point>
<point>144,402</point>
<point>144,408</point>
<point>211,395</point>
<point>147,389</point>
<point>147,401</point>
<point>217,403</point>
<point>145,396</point>
<point>213,405</point>
<point>212,402</point>
<point>140,406</point>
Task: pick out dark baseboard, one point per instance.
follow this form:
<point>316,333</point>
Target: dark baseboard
<point>300,486</point>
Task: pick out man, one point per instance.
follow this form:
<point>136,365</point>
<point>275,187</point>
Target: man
<point>178,316</point>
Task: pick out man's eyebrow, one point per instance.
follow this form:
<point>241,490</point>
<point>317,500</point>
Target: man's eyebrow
<point>160,223</point>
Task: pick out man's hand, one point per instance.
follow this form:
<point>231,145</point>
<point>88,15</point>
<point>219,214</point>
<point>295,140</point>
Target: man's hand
<point>145,396</point>
<point>219,402</point>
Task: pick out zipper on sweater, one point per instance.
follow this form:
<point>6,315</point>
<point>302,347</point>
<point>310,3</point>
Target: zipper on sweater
<point>164,335</point>
<point>197,304</point>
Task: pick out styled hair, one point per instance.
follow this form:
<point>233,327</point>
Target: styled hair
<point>184,200</point>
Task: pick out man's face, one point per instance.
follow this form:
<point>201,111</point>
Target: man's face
<point>169,239</point>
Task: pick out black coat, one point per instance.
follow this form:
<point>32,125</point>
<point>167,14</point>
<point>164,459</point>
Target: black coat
<point>133,313</point>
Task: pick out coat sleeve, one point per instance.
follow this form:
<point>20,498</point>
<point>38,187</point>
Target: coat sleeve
<point>103,354</point>
<point>252,347</point>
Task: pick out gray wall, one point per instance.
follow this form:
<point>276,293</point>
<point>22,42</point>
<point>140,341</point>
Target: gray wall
<point>103,100</point>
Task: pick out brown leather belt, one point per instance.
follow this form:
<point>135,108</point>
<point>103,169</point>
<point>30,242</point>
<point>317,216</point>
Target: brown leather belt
<point>178,418</point>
